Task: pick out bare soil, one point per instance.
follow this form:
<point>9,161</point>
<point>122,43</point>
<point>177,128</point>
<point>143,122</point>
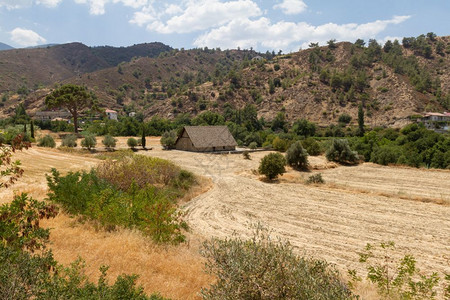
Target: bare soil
<point>333,221</point>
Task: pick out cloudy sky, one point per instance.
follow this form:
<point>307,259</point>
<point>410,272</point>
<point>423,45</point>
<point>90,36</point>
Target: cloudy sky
<point>286,25</point>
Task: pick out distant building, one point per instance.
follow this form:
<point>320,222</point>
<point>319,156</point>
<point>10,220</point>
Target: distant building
<point>52,115</point>
<point>436,121</point>
<point>111,114</point>
<point>205,139</point>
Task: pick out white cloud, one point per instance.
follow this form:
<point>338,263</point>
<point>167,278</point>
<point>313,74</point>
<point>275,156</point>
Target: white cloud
<point>291,7</point>
<point>173,9</point>
<point>97,7</point>
<point>287,35</point>
<point>15,4</point>
<point>201,15</point>
<point>26,37</point>
<point>49,3</point>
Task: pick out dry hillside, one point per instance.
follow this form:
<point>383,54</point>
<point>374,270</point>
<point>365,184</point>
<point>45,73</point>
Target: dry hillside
<point>320,83</point>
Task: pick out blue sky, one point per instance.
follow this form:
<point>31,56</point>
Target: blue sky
<point>264,25</point>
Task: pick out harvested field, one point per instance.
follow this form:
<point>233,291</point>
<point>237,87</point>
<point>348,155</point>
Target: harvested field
<point>357,205</point>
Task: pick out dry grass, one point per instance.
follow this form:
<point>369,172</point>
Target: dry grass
<point>174,271</point>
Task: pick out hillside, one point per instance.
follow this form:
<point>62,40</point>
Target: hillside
<point>34,68</point>
<point>393,81</point>
<point>4,46</point>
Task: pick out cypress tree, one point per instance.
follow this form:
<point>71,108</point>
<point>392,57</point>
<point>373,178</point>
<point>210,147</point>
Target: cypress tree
<point>361,120</point>
<point>32,129</point>
<point>143,136</point>
<point>25,128</point>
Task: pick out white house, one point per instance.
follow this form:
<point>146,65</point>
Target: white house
<point>437,121</point>
<point>111,114</point>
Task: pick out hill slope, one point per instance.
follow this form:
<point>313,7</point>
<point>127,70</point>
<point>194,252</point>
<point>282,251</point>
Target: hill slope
<point>5,47</point>
<point>393,82</point>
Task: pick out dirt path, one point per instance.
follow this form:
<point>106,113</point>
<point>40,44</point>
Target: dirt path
<point>332,221</point>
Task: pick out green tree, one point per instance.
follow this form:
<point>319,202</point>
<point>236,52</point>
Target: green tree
<point>168,139</point>
<point>143,139</point>
<point>361,129</point>
<point>109,142</point>
<point>272,165</point>
<point>47,141</point>
<point>340,151</point>
<point>132,143</point>
<point>32,129</point>
<point>296,156</point>
<point>69,140</point>
<point>74,98</point>
<point>89,141</point>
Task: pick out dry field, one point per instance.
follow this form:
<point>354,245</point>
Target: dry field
<point>356,205</point>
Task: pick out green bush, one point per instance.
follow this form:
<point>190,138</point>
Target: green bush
<point>168,139</point>
<point>47,141</point>
<point>340,151</point>
<point>109,142</point>
<point>316,178</point>
<point>280,144</point>
<point>272,165</point>
<point>312,146</point>
<point>345,119</point>
<point>296,156</point>
<point>89,141</point>
<point>263,268</point>
<point>132,143</point>
<point>69,141</point>
<point>385,155</point>
<point>135,192</point>
<point>253,145</point>
<point>395,278</point>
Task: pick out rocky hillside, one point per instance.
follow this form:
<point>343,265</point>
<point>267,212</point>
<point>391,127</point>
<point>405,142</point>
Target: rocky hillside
<point>393,81</point>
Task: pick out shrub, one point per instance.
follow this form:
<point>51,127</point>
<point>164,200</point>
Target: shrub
<point>109,142</point>
<point>340,151</point>
<point>280,144</point>
<point>272,165</point>
<point>261,268</point>
<point>135,192</point>
<point>89,141</point>
<point>169,139</point>
<point>47,141</point>
<point>316,178</point>
<point>69,141</point>
<point>395,278</point>
<point>296,156</point>
<point>132,143</point>
<point>345,118</point>
<point>246,155</point>
<point>253,145</point>
<point>312,146</point>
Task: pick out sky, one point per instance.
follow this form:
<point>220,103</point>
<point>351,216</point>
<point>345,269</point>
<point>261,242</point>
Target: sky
<point>287,25</point>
